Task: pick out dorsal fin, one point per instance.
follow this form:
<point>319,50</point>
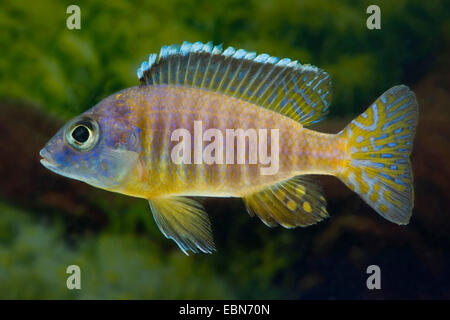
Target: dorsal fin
<point>301,92</point>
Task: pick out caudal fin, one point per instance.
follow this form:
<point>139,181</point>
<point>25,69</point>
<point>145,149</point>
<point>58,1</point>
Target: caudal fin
<point>379,143</point>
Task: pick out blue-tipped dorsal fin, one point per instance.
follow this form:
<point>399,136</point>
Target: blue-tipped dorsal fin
<point>301,92</point>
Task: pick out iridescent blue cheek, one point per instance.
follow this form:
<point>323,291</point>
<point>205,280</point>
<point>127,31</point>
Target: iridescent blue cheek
<point>67,157</point>
<point>64,155</point>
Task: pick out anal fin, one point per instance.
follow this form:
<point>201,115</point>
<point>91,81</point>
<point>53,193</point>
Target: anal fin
<point>291,203</point>
<point>185,221</point>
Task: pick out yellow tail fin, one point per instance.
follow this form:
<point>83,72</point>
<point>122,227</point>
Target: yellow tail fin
<point>379,143</point>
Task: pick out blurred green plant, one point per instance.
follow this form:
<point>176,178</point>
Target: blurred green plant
<point>34,258</point>
<point>68,71</point>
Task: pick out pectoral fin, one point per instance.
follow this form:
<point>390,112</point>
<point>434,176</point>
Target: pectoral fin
<point>184,221</point>
<point>291,203</point>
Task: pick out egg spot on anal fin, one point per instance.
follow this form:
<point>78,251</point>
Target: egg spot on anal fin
<point>307,206</point>
<point>291,203</point>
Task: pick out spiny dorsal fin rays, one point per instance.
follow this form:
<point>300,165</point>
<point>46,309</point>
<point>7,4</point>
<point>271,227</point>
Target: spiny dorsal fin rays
<point>301,92</point>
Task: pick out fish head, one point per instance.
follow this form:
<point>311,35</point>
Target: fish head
<point>99,147</point>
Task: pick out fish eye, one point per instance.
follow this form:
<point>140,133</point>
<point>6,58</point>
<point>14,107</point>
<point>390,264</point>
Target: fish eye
<point>83,134</point>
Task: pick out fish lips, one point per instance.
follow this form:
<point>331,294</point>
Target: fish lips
<point>50,164</point>
<point>53,166</point>
<point>46,160</point>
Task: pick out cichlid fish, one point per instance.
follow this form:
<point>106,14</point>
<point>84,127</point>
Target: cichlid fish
<point>230,123</point>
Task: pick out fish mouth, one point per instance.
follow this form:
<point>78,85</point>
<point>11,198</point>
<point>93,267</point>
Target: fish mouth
<point>46,160</point>
<point>51,165</point>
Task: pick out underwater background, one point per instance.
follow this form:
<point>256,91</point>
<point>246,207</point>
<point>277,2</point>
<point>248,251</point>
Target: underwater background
<point>49,74</point>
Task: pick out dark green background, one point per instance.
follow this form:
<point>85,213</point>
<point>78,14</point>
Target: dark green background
<point>49,74</point>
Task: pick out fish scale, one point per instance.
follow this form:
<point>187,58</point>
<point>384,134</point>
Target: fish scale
<point>208,107</point>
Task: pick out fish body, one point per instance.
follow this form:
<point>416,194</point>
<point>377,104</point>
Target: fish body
<point>228,123</point>
<point>164,109</point>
